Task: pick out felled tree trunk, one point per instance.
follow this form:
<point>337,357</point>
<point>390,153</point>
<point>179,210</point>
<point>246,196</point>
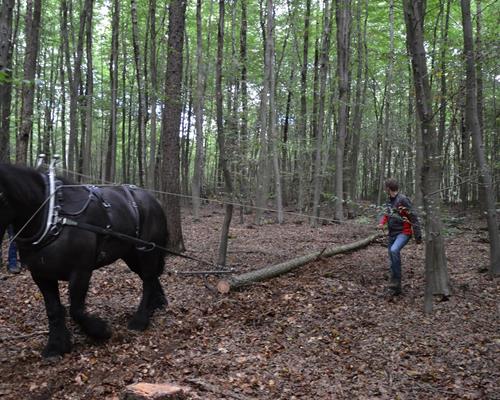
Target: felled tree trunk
<point>224,286</point>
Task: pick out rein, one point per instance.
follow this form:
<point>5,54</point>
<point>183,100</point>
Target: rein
<point>146,246</point>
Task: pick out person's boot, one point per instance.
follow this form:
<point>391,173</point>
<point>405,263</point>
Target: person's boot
<point>395,286</point>
<point>14,269</point>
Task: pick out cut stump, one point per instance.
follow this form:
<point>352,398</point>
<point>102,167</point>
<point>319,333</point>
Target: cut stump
<point>226,285</point>
<point>154,391</point>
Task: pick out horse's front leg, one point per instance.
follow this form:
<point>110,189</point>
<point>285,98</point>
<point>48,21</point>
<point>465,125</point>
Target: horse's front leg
<point>59,337</point>
<point>93,326</point>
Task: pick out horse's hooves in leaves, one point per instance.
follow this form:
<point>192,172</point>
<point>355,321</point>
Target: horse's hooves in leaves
<point>138,323</point>
<point>56,350</point>
<point>96,328</point>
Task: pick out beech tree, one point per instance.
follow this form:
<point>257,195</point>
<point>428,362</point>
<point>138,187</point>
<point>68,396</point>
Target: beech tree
<point>472,120</point>
<point>171,120</point>
<point>436,272</point>
<point>6,46</point>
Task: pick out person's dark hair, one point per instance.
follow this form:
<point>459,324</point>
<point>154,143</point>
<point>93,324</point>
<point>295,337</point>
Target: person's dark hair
<point>392,184</point>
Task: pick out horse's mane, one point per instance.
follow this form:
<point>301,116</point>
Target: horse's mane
<point>23,185</point>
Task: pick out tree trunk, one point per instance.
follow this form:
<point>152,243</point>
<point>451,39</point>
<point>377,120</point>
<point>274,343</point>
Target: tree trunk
<point>33,17</point>
<point>154,94</point>
<point>198,110</point>
<point>224,286</point>
<point>359,102</point>
<point>323,69</point>
<point>74,78</point>
<point>474,126</point>
<point>6,47</point>
<point>343,17</point>
<point>263,162</point>
<point>302,123</point>
<point>140,92</point>
<point>385,137</point>
<point>171,118</point>
<point>436,273</point>
<point>244,139</point>
<point>273,135</point>
<point>86,149</point>
<point>223,154</point>
<point>110,167</point>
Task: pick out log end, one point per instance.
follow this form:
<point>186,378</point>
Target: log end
<point>223,286</point>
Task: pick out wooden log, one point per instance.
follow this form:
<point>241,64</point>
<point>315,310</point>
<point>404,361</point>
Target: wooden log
<point>225,285</point>
<point>154,391</point>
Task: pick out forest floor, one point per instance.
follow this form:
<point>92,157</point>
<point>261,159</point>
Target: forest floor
<point>328,330</point>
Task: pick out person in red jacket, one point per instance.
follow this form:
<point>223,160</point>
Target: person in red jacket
<point>402,222</point>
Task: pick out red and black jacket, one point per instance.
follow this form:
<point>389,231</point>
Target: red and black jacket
<point>400,217</point>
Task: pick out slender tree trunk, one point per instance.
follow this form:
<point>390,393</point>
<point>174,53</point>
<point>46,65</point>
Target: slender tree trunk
<point>302,123</point>
<point>48,110</point>
<point>113,76</point>
<point>343,18</point>
<point>32,23</point>
<point>140,92</point>
<point>154,94</point>
<point>171,118</point>
<point>223,154</point>
<point>62,82</point>
<point>436,273</point>
<point>198,110</point>
<point>443,97</point>
<point>323,69</point>
<point>244,139</point>
<point>6,49</point>
<point>385,137</point>
<point>89,96</point>
<point>474,126</point>
<point>74,77</point>
<point>263,162</point>
<point>359,102</point>
<point>273,135</point>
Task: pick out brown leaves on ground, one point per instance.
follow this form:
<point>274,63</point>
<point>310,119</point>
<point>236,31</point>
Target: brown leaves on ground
<point>328,330</point>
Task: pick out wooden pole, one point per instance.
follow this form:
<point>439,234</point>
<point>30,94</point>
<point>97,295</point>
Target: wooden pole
<point>225,285</point>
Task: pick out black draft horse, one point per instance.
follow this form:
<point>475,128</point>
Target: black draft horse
<point>73,253</point>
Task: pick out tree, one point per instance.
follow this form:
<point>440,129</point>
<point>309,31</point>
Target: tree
<point>6,45</point>
<point>323,69</point>
<point>171,119</point>
<point>436,273</point>
<point>198,110</point>
<point>474,126</point>
<point>32,21</point>
<point>302,123</point>
<point>113,76</point>
<point>223,154</point>
<point>343,18</point>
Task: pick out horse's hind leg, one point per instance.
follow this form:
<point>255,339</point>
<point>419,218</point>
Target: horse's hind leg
<point>59,338</point>
<point>92,326</point>
<point>148,266</point>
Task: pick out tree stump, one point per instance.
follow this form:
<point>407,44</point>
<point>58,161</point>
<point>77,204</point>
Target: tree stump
<point>154,391</point>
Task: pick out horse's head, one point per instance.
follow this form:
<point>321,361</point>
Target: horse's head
<point>21,192</point>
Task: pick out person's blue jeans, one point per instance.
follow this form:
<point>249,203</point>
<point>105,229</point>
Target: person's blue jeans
<point>12,256</point>
<point>396,243</point>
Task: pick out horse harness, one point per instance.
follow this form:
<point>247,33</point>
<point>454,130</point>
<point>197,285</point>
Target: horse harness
<point>57,217</point>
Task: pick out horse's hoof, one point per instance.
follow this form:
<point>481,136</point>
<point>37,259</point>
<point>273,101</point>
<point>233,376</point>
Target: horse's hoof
<point>54,352</point>
<point>96,328</point>
<point>138,323</point>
